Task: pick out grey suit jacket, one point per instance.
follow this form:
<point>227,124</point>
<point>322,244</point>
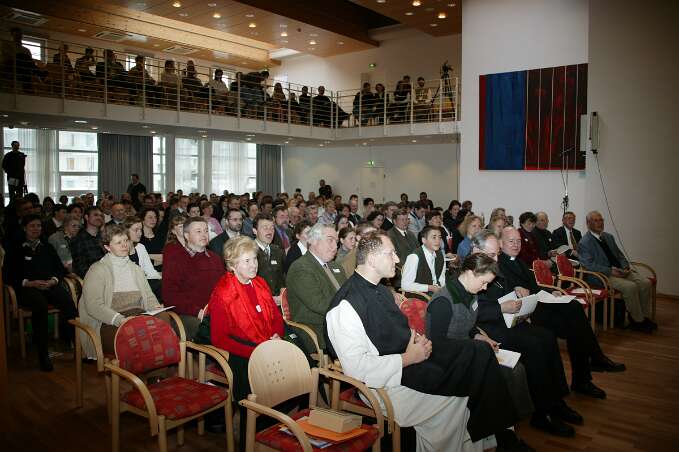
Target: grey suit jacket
<point>593,257</point>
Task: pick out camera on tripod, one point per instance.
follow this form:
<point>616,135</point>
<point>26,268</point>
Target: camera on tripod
<point>445,70</point>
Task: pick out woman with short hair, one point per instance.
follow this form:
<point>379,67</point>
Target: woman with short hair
<point>61,240</point>
<point>299,248</point>
<point>139,255</point>
<point>207,210</point>
<point>152,237</point>
<point>376,218</point>
<point>468,228</point>
<point>175,233</point>
<point>347,242</point>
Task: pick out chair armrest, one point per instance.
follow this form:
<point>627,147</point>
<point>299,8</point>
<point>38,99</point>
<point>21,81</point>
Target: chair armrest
<point>549,286</point>
<point>374,403</point>
<point>312,334</point>
<point>218,357</point>
<point>600,276</point>
<point>645,266</point>
<point>388,406</point>
<point>13,304</point>
<point>70,282</point>
<point>180,325</point>
<point>280,417</point>
<point>580,283</point>
<point>426,297</point>
<point>139,386</point>
<point>94,337</point>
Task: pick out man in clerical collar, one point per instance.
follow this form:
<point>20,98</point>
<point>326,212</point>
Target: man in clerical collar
<point>424,269</point>
<point>599,253</point>
<point>428,386</point>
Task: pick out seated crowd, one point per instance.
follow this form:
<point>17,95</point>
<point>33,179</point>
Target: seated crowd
<point>251,94</point>
<point>342,269</point>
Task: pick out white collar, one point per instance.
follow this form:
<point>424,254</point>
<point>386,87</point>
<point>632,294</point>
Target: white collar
<point>321,263</point>
<point>400,230</point>
<point>262,246</point>
<point>302,247</point>
<point>428,253</point>
<point>598,236</point>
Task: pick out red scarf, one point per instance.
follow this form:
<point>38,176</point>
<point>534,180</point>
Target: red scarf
<point>233,296</point>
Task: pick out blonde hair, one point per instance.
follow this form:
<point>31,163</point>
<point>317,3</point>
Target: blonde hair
<point>466,222</point>
<point>236,247</point>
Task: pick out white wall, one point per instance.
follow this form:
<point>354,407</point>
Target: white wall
<point>633,49</point>
<point>416,54</point>
<point>411,169</point>
<point>500,36</point>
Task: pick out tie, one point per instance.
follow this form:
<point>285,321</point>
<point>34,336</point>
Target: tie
<point>284,239</point>
<point>268,252</point>
<point>331,276</point>
<point>572,239</point>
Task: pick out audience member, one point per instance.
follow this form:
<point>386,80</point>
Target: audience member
<point>55,221</point>
<point>117,213</point>
<point>426,202</point>
<point>140,256</point>
<point>175,233</point>
<point>376,218</point>
<point>86,246</point>
<point>270,256</point>
<point>354,217</point>
<point>469,227</point>
<point>403,239</point>
<point>529,244</point>
<point>207,210</point>
<point>152,237</point>
<point>283,235</point>
<point>61,241</point>
<point>234,225</point>
<point>424,269</point>
<point>349,260</point>
<point>299,248</point>
<point>253,210</point>
<point>347,240</point>
<point>417,221</point>
<point>543,237</point>
<point>568,235</point>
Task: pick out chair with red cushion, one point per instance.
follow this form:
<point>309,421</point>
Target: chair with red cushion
<point>568,273</point>
<point>416,311</point>
<point>278,371</point>
<point>144,344</point>
<point>319,356</point>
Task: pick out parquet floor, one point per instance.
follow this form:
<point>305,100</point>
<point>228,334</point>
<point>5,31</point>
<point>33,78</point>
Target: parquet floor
<point>641,412</point>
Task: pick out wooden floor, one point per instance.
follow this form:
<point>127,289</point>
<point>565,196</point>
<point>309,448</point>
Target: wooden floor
<point>641,412</point>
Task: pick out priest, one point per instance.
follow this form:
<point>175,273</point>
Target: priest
<point>447,391</point>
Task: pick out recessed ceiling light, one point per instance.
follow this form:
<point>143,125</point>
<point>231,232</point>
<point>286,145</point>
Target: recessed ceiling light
<point>365,144</point>
<point>243,62</point>
<point>80,121</point>
<point>156,45</point>
<point>313,35</point>
<point>417,2</point>
<point>153,131</point>
<point>217,16</point>
<point>284,34</point>
<point>249,134</point>
<point>381,1</point>
<point>177,4</point>
<point>183,15</point>
<point>312,43</point>
<point>4,116</point>
<point>442,15</point>
<point>452,5</point>
<point>211,5</point>
<point>252,25</point>
<point>248,139</point>
<point>94,128</point>
<point>202,131</point>
<point>249,15</point>
<point>321,145</point>
<point>204,136</point>
<point>413,141</point>
<point>409,13</point>
<point>24,123</point>
<point>82,30</point>
<point>433,25</point>
<point>340,43</point>
<point>287,142</point>
<point>144,127</point>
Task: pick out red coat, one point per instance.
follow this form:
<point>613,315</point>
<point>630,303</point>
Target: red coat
<point>243,315</point>
<point>529,248</point>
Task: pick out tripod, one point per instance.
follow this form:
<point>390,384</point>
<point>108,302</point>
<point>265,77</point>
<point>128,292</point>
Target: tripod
<point>446,97</point>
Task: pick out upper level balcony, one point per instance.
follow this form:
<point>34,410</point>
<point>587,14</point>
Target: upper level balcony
<point>60,85</point>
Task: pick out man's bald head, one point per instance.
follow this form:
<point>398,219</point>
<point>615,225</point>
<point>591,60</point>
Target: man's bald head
<point>510,241</point>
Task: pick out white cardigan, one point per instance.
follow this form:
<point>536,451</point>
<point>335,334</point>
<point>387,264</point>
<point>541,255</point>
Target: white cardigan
<point>145,262</point>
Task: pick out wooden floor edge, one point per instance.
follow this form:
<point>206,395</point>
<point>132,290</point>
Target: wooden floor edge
<point>669,296</point>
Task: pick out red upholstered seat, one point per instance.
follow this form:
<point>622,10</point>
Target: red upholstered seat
<point>653,280</point>
<point>177,398</point>
<point>145,343</point>
<point>564,266</point>
<point>416,311</point>
<point>275,439</point>
<point>543,274</point>
<point>351,396</point>
<point>214,368</point>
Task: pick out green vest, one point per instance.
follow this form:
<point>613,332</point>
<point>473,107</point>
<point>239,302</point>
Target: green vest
<point>423,275</point>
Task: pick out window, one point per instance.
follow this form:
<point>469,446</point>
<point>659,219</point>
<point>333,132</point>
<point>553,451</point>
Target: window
<point>186,165</point>
<point>37,48</point>
<point>78,162</point>
<point>234,167</point>
<point>159,167</point>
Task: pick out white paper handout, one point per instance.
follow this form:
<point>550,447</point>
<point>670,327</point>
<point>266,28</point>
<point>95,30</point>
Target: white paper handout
<point>581,290</point>
<point>528,305</point>
<point>546,297</point>
<point>157,311</point>
<point>508,358</point>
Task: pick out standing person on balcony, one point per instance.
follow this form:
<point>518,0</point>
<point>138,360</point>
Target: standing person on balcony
<point>321,106</point>
<point>83,65</point>
<point>380,102</point>
<point>304,105</point>
<point>364,105</point>
<point>14,164</point>
<point>134,189</point>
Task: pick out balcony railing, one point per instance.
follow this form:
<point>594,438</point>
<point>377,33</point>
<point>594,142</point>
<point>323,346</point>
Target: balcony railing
<point>69,72</point>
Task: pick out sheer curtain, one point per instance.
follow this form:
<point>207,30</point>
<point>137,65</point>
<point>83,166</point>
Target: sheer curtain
<point>186,169</point>
<point>269,168</point>
<point>230,167</point>
<point>42,154</point>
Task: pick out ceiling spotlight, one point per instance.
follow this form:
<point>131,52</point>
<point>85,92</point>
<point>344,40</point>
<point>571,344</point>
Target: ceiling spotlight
<point>252,25</point>
<point>211,5</point>
<point>381,1</point>
<point>452,5</point>
<point>321,145</point>
<point>80,121</point>
<point>144,127</point>
<point>413,141</point>
<point>340,43</point>
<point>94,128</point>
<point>24,123</point>
<point>442,15</point>
<point>183,15</point>
<point>433,25</point>
<point>287,142</point>
<point>5,116</point>
<point>153,131</point>
<point>82,30</point>
<point>156,45</point>
<point>217,16</point>
<point>204,136</point>
<point>177,4</point>
<point>202,131</point>
<point>417,2</point>
<point>312,42</point>
<point>249,15</point>
<point>284,34</point>
<point>409,13</point>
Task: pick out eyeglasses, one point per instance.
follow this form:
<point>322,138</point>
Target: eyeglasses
<point>389,253</point>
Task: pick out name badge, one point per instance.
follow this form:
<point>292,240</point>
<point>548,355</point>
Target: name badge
<point>475,306</point>
<point>526,239</point>
<point>28,258</point>
<point>336,270</point>
<point>63,245</point>
<point>274,263</point>
<point>259,308</point>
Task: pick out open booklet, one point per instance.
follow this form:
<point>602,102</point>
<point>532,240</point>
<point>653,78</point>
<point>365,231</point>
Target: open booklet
<point>529,303</point>
<point>507,358</point>
<point>157,311</point>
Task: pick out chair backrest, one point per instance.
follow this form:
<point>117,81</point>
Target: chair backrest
<point>543,274</point>
<point>145,343</point>
<point>563,264</point>
<point>278,371</point>
<point>415,310</point>
<point>285,306</point>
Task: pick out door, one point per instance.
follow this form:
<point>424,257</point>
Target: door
<point>372,183</point>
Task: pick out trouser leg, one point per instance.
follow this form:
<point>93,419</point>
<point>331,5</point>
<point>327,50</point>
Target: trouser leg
<point>645,287</point>
<point>61,299</point>
<point>36,301</point>
<point>630,294</point>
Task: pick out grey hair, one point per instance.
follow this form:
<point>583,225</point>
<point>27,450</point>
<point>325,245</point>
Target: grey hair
<point>481,238</point>
<point>316,232</point>
<point>506,228</point>
<point>592,213</point>
<point>537,214</point>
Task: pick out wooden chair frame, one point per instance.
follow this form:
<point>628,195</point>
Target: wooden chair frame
<point>158,424</point>
<point>414,294</point>
<point>21,314</point>
<point>322,359</point>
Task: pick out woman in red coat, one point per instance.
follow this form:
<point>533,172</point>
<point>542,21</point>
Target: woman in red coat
<point>242,311</point>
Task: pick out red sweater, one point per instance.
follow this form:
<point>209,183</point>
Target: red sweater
<point>188,280</point>
<point>243,315</point>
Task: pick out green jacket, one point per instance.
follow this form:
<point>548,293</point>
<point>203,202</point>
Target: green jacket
<point>310,292</point>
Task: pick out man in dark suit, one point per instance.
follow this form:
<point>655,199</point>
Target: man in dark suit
<point>269,257</point>
<point>543,237</point>
<point>51,225</point>
<point>599,253</point>
<point>354,217</point>
<point>283,236</point>
<point>390,209</point>
<point>567,235</point>
<point>234,224</point>
<point>404,241</point>
<point>324,189</point>
<point>313,280</point>
<point>117,213</point>
<point>565,320</point>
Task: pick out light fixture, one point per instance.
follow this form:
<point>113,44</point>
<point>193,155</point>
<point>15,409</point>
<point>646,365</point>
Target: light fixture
<point>442,15</point>
<point>183,15</point>
<point>204,136</point>
<point>417,2</point>
<point>452,5</point>
<point>340,43</point>
<point>153,131</point>
<point>94,127</point>
<point>413,141</point>
<point>284,34</point>
<point>156,45</point>
<point>24,123</point>
<point>409,13</point>
<point>249,134</point>
<point>80,121</point>
<point>312,43</point>
<point>321,145</point>
<point>217,16</point>
<point>82,30</point>
<point>243,62</point>
<point>433,25</point>
<point>286,142</point>
<point>381,1</point>
<point>252,25</point>
<point>5,116</point>
<point>202,131</point>
<point>144,127</point>
<point>211,5</point>
<point>177,4</point>
<point>249,15</point>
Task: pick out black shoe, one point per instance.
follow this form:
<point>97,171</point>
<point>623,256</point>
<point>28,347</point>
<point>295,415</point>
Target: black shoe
<point>589,389</point>
<point>641,327</point>
<point>45,363</point>
<point>566,413</point>
<point>552,425</point>
<point>651,323</point>
<point>215,428</point>
<point>604,364</point>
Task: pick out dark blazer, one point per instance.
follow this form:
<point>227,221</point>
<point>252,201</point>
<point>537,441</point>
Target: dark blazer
<point>388,224</point>
<point>404,245</point>
<point>593,257</point>
<point>217,244</point>
<point>271,268</point>
<point>294,253</point>
<point>310,292</point>
<point>559,236</point>
<point>48,228</point>
<point>277,238</point>
<point>517,274</point>
<point>355,218</point>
